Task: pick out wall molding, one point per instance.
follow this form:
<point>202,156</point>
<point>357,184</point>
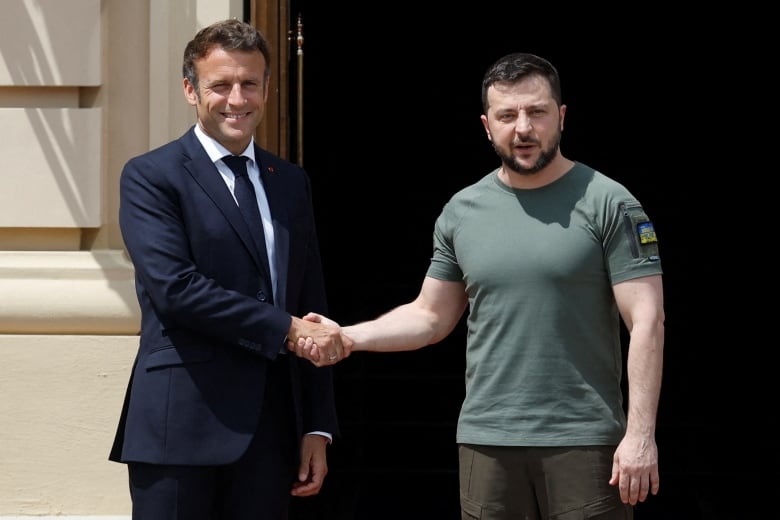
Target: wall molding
<point>68,292</point>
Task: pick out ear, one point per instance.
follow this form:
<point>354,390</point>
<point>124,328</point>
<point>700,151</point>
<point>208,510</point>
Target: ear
<point>190,93</point>
<point>562,115</point>
<point>484,120</point>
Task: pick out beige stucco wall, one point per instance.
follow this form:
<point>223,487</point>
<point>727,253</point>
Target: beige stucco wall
<point>84,85</point>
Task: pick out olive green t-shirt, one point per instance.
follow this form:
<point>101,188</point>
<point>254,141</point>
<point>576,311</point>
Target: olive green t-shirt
<point>543,352</point>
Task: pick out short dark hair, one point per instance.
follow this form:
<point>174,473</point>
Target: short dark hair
<point>231,35</point>
<point>515,67</point>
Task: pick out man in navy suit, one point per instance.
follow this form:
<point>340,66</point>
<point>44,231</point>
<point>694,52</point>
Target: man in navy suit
<point>219,422</point>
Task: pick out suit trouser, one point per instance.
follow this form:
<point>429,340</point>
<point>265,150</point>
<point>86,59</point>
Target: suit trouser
<point>522,483</point>
<point>257,486</point>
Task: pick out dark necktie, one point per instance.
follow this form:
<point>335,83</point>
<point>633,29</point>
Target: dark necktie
<point>247,203</point>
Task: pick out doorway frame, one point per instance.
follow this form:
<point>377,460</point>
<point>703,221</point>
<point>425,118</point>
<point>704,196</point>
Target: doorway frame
<point>272,18</point>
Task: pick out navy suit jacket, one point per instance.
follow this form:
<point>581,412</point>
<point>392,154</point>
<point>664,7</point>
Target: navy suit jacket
<point>208,327</point>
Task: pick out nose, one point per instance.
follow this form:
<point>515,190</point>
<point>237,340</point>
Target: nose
<point>523,123</point>
<point>236,96</point>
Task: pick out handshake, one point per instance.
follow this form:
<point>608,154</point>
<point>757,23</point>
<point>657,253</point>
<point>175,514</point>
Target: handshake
<point>318,339</point>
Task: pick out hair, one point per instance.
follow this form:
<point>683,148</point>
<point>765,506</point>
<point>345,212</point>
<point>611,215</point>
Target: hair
<point>515,67</point>
<point>230,35</point>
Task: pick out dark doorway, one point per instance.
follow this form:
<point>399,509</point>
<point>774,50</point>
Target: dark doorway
<point>392,130</point>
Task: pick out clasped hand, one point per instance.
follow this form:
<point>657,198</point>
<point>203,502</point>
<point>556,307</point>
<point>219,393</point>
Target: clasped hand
<point>318,339</point>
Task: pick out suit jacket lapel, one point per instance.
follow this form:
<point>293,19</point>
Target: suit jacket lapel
<point>203,171</point>
<point>271,184</point>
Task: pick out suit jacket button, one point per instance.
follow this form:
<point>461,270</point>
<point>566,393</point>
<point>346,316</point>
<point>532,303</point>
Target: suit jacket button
<point>262,297</point>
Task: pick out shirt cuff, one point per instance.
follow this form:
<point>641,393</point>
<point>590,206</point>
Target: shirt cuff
<point>324,434</point>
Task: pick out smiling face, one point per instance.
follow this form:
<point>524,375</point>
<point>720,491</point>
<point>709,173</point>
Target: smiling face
<point>230,96</point>
<point>524,123</point>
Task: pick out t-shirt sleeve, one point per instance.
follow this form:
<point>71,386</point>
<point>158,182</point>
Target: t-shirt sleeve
<point>631,245</point>
<point>444,264</point>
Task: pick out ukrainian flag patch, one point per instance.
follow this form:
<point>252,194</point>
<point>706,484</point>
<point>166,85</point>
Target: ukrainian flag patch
<point>646,233</point>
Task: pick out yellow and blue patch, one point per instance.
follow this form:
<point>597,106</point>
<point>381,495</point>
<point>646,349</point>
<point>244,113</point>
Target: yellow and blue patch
<point>646,233</point>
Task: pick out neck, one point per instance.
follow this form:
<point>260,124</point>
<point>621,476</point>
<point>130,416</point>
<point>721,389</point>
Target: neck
<point>550,173</point>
